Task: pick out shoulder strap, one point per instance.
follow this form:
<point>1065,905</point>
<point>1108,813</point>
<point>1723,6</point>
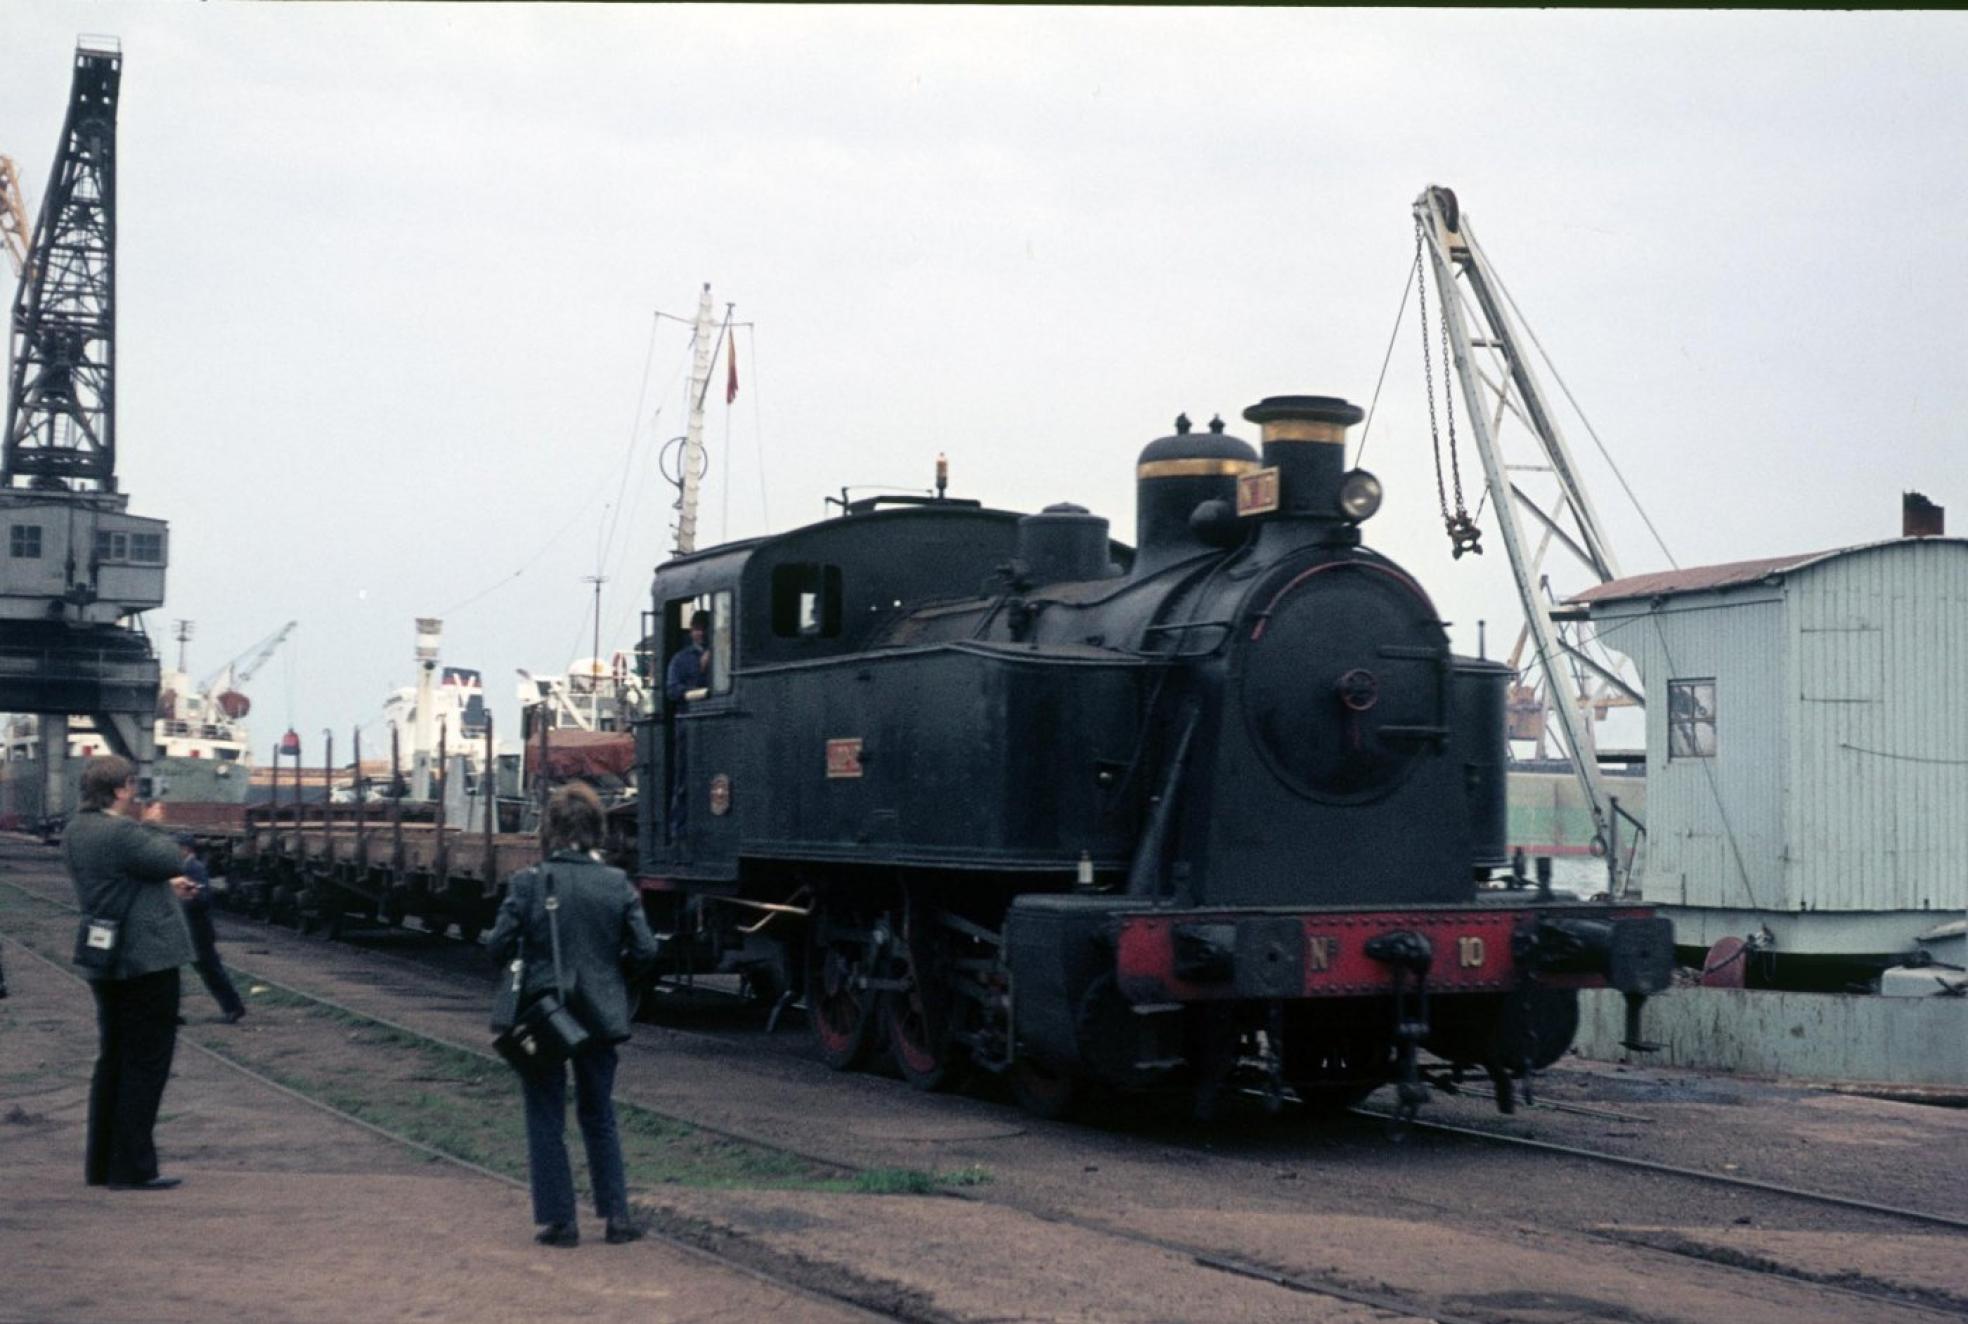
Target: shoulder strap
<point>552,903</point>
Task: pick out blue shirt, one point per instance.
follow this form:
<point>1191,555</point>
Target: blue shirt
<point>689,670</point>
<point>194,869</point>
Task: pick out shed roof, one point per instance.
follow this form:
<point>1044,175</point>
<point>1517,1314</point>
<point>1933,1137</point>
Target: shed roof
<point>1730,574</point>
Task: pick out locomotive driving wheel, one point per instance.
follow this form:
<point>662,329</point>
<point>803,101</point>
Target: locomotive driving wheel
<point>839,1006</point>
<point>917,1019</point>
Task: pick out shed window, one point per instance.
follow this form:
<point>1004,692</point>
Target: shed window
<point>112,545</point>
<point>1691,718</point>
<point>806,600</point>
<point>25,541</point>
<point>147,548</point>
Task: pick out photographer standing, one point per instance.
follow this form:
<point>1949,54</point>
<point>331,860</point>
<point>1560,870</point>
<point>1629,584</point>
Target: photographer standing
<point>600,927</point>
<point>123,869</point>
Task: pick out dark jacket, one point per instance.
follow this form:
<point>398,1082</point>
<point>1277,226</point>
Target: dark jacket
<point>601,926</point>
<point>107,855</point>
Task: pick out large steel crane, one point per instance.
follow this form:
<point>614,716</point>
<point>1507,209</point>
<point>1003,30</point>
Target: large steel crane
<point>78,567</point>
<point>1581,676</point>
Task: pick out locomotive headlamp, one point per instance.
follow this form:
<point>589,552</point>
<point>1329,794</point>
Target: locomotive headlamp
<point>1359,495</point>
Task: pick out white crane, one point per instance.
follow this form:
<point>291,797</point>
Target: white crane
<point>1479,331</point>
<point>228,678</point>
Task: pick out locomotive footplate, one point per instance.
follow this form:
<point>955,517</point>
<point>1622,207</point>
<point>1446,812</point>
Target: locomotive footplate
<point>1204,956</point>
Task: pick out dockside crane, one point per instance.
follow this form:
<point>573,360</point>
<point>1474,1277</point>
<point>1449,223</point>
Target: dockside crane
<point>1486,342</point>
<point>223,684</point>
<point>80,568</point>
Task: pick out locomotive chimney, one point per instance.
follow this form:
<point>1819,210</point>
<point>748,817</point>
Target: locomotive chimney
<point>1921,518</point>
<point>1305,441</point>
<point>1176,474</point>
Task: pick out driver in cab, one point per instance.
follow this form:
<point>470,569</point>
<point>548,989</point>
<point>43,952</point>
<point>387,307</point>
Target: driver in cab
<point>690,670</point>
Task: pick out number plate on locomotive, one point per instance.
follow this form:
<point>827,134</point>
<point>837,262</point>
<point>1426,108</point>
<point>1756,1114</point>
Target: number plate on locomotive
<point>844,758</point>
<point>1257,493</point>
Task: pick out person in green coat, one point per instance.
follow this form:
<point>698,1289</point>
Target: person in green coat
<point>116,862</point>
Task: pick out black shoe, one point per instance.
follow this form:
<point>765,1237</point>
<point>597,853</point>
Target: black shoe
<point>234,1016</point>
<point>621,1232</point>
<point>558,1234</point>
<point>154,1184</point>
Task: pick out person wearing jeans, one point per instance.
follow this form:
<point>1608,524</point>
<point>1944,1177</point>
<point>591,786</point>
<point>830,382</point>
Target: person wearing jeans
<point>601,926</point>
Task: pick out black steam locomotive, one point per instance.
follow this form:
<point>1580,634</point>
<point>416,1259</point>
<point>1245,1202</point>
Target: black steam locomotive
<point>996,792</point>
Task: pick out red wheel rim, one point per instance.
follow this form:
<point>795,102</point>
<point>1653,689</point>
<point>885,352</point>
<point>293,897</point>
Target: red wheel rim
<point>908,1033</point>
<point>837,1012</point>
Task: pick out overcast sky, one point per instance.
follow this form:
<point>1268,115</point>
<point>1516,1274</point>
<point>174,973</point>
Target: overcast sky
<point>388,277</point>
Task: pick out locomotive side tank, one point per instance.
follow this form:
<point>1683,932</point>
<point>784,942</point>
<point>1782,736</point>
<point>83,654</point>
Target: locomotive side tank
<point>995,791</point>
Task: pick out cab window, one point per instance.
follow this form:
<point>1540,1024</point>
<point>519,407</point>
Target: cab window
<point>717,638</point>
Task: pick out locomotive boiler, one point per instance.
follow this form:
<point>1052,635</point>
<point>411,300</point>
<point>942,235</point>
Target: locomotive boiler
<point>994,792</point>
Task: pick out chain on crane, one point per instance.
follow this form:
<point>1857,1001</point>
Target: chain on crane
<point>1464,536</point>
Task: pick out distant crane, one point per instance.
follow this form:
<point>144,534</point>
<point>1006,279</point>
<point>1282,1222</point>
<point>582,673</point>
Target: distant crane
<point>15,232</point>
<point>223,684</point>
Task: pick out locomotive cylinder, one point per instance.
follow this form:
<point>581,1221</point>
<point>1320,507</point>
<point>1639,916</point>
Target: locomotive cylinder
<point>1304,439</point>
<point>1173,476</point>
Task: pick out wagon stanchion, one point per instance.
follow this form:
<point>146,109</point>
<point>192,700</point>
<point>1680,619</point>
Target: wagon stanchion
<point>395,883</point>
<point>361,811</point>
<point>322,892</point>
<point>359,854</point>
<point>488,781</point>
<point>291,860</point>
<point>441,861</point>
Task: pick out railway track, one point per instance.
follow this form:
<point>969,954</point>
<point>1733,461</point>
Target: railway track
<point>1489,1136</point>
<point>1201,1255</point>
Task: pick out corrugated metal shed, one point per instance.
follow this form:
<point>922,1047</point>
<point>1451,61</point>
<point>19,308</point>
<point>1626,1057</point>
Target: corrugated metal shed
<point>1838,780</point>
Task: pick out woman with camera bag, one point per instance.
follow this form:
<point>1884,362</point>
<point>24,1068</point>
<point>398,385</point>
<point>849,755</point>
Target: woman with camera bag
<point>572,924</point>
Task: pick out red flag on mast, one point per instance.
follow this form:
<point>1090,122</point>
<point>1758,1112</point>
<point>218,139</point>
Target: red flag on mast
<point>731,369</point>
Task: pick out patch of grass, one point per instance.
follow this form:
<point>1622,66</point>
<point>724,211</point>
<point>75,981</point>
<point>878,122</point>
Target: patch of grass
<point>470,1107</point>
<point>914,1181</point>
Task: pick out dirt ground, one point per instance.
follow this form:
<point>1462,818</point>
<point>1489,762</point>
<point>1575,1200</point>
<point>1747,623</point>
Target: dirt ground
<point>374,1231</point>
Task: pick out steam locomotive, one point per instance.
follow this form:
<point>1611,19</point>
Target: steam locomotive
<point>1222,810</point>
